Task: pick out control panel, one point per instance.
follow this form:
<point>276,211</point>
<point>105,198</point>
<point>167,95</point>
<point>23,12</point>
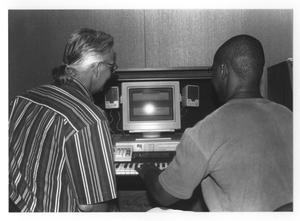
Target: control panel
<point>124,150</point>
<point>123,153</point>
<point>140,146</point>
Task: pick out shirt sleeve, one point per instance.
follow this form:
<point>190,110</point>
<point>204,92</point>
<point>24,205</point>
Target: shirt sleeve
<point>90,163</point>
<point>186,170</point>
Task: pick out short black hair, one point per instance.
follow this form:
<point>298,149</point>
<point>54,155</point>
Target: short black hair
<point>245,54</point>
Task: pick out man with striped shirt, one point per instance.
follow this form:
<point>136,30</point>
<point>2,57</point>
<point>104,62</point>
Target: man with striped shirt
<point>60,148</point>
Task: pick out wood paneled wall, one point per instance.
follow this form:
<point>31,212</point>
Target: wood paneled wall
<point>274,28</point>
<point>143,38</point>
<point>37,40</point>
<point>187,38</point>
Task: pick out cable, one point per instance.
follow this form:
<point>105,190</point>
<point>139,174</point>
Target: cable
<point>117,124</point>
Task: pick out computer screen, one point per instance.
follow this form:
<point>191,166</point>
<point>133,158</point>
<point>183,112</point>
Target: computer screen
<point>148,104</point>
<point>152,106</point>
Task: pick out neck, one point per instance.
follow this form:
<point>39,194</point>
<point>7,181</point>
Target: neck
<point>246,94</point>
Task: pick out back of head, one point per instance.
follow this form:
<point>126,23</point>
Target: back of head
<point>245,56</point>
<point>82,50</point>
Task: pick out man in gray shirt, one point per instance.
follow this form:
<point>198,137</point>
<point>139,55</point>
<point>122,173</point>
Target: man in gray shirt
<point>242,153</point>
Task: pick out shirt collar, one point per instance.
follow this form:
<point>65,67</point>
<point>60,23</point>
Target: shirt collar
<point>81,88</point>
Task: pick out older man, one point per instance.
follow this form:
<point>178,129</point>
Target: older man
<point>60,148</point>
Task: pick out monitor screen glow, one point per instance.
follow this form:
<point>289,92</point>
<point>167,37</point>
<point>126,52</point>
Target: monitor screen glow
<point>150,104</point>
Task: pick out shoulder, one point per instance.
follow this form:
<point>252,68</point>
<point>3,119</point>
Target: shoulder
<point>215,123</point>
<point>77,109</point>
<point>215,117</point>
<point>280,108</point>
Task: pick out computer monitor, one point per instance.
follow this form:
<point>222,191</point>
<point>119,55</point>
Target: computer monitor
<point>151,107</point>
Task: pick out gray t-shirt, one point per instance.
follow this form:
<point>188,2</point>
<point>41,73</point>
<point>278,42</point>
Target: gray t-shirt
<point>242,154</point>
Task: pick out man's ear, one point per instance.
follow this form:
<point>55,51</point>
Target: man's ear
<point>223,71</point>
<point>96,72</point>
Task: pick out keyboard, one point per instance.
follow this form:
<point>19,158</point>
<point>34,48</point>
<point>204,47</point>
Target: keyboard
<point>129,168</point>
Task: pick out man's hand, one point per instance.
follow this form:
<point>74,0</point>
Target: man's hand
<point>108,206</point>
<point>149,174</point>
<point>145,168</point>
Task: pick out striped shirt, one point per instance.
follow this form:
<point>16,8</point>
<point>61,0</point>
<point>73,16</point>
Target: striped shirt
<point>60,150</point>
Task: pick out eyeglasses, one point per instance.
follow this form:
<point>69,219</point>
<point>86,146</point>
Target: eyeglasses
<point>112,66</point>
